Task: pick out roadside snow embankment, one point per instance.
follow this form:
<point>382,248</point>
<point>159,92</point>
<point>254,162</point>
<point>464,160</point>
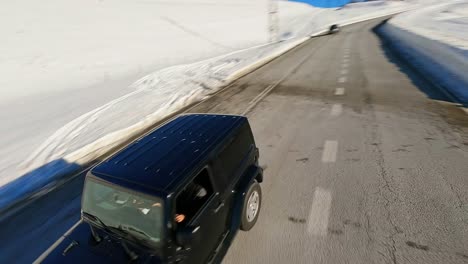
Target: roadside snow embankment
<point>52,137</point>
<point>435,41</point>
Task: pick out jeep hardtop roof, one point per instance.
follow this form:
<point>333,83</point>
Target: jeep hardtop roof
<point>159,160</point>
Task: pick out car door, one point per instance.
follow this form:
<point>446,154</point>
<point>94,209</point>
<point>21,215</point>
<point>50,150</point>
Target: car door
<point>209,213</point>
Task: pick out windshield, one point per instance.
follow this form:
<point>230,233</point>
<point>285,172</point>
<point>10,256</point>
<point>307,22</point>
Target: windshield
<point>138,214</point>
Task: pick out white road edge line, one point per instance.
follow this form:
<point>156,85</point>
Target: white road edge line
<point>51,248</point>
<point>336,110</point>
<point>319,212</point>
<point>257,98</point>
<point>330,150</point>
<point>267,90</point>
<point>339,91</point>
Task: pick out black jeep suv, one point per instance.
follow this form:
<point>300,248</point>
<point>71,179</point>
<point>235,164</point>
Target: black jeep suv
<point>176,195</point>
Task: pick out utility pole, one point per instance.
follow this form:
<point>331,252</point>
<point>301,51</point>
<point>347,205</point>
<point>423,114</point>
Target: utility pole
<point>273,20</point>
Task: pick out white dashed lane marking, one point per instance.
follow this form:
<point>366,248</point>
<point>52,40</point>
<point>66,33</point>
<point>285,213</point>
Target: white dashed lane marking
<point>329,151</point>
<point>342,79</point>
<point>344,71</point>
<point>336,110</point>
<point>319,212</point>
<point>339,91</point>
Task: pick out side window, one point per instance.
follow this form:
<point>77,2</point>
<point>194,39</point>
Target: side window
<point>194,196</point>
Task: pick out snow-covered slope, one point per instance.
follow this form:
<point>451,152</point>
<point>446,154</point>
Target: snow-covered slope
<point>435,40</point>
<point>447,22</point>
<point>68,70</point>
<point>63,45</point>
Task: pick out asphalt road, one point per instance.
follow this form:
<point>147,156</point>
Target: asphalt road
<point>361,166</point>
<point>375,172</point>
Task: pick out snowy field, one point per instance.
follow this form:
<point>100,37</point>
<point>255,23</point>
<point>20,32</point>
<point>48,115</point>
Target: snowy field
<point>435,41</point>
<point>79,77</point>
<point>447,22</point>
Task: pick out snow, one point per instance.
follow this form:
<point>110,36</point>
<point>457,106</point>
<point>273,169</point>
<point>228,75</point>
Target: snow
<point>435,41</point>
<point>67,92</point>
<point>447,23</point>
<point>84,42</point>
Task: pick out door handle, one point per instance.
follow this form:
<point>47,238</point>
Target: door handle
<point>220,205</point>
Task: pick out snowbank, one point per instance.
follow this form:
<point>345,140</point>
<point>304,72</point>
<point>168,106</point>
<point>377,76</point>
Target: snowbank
<point>43,153</point>
<point>435,41</point>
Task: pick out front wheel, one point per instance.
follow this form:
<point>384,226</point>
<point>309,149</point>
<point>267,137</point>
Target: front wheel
<point>252,205</point>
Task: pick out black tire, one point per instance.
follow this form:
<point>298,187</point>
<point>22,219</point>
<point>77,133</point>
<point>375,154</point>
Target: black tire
<point>246,223</point>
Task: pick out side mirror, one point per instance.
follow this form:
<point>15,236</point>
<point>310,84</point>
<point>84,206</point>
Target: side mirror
<point>187,236</point>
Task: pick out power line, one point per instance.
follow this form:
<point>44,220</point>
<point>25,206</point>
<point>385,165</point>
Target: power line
<point>273,20</point>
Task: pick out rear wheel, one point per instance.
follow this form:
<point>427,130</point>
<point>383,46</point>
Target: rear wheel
<point>252,205</point>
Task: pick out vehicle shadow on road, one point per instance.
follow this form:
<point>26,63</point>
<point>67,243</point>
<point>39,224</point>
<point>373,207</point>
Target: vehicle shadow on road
<point>35,212</point>
<point>35,184</point>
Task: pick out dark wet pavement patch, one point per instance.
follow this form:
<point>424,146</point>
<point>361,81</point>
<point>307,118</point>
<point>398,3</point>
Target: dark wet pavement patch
<point>417,246</point>
<point>335,231</point>
<point>297,220</point>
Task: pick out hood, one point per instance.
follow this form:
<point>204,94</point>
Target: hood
<point>80,247</point>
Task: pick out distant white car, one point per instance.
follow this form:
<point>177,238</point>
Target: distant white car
<point>333,29</point>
